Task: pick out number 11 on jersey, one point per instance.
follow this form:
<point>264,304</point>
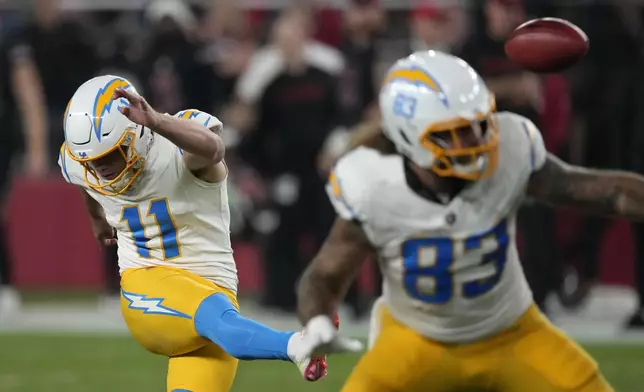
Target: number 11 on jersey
<point>159,209</point>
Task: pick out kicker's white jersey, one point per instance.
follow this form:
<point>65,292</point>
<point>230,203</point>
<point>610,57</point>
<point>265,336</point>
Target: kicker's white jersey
<point>169,217</point>
<point>451,272</point>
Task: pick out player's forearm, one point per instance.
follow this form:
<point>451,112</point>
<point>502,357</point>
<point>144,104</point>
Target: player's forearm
<point>598,192</point>
<point>319,293</point>
<point>94,209</point>
<point>628,191</point>
<point>191,137</point>
<point>328,277</point>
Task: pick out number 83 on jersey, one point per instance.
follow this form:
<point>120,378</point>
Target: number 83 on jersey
<point>438,268</point>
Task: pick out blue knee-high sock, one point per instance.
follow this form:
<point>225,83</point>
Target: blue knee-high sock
<point>217,319</point>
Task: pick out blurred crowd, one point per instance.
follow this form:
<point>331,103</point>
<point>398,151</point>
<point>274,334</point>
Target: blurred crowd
<point>291,85</point>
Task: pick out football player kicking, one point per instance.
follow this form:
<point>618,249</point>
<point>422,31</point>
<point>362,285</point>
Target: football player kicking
<point>159,182</point>
<point>434,193</point>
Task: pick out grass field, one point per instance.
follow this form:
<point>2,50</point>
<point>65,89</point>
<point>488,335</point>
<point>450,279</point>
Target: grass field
<point>83,363</point>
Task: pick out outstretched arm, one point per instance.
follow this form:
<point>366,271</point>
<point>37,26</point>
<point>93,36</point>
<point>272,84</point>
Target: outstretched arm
<point>598,192</point>
<point>201,146</point>
<point>332,271</point>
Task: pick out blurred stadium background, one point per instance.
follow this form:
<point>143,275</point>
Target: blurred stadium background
<point>291,80</point>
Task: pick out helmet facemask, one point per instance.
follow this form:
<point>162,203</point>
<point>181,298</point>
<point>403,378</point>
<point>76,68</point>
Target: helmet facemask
<point>115,184</point>
<point>463,148</point>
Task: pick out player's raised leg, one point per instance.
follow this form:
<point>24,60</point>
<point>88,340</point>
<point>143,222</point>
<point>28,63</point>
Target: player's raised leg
<point>218,320</point>
<point>173,312</point>
<point>543,359</point>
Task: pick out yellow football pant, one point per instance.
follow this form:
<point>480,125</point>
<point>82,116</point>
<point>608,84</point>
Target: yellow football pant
<point>158,305</point>
<point>531,356</point>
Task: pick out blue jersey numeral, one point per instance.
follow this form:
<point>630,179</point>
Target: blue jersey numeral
<point>159,209</point>
<point>440,259</point>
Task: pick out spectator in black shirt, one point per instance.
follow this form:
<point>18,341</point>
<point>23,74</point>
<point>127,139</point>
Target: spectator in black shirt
<point>291,88</point>
<point>62,61</point>
<point>21,106</point>
<point>362,21</point>
<point>226,43</point>
<point>42,65</point>
<point>171,54</point>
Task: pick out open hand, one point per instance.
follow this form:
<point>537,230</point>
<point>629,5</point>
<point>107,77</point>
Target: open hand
<point>139,110</point>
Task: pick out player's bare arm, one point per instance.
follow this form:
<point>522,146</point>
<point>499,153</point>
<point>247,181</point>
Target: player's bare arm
<point>201,147</point>
<point>602,192</point>
<point>102,230</point>
<point>332,271</point>
<point>94,209</point>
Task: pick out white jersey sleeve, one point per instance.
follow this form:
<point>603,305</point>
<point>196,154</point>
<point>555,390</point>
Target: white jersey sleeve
<point>521,153</point>
<point>209,121</point>
<point>522,141</point>
<point>537,149</point>
<point>349,184</point>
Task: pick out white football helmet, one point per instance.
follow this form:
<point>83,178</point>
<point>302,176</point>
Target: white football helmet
<point>428,101</point>
<point>94,128</point>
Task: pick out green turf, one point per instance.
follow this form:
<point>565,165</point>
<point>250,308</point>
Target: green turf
<point>69,363</point>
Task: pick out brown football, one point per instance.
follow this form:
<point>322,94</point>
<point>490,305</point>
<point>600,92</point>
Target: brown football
<point>546,45</point>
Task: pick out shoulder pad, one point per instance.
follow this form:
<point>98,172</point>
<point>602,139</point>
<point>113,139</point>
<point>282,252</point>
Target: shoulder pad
<point>349,185</point>
<point>203,118</point>
<point>519,133</point>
